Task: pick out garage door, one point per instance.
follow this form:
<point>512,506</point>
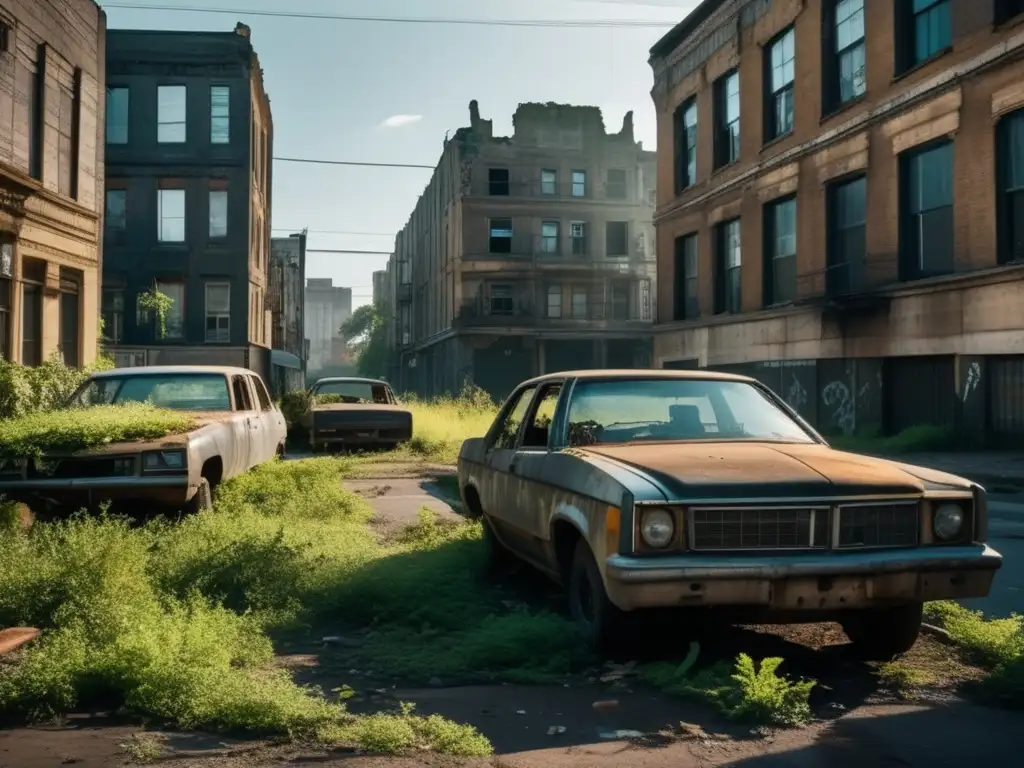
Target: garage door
<point>1005,401</point>
<point>918,391</point>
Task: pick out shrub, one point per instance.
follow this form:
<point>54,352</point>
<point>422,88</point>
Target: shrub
<point>295,405</point>
<point>80,428</point>
<point>28,389</point>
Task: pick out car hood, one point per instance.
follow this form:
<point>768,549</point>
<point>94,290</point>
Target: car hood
<point>204,420</point>
<point>717,470</point>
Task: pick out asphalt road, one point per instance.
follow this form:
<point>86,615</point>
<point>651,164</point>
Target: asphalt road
<point>1006,535</point>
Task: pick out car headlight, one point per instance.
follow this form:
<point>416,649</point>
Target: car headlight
<point>163,461</point>
<point>948,521</point>
<point>657,528</point>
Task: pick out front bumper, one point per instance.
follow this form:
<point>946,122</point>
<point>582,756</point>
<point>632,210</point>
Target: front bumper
<point>172,491</point>
<point>363,436</point>
<point>802,583</point>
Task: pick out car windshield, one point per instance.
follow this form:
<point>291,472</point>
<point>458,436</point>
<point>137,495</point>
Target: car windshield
<point>624,411</point>
<point>350,392</point>
<point>176,391</point>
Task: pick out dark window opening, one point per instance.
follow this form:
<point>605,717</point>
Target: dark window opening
<point>1010,190</point>
<point>926,226</point>
<point>6,299</point>
<point>1006,9</point>
<point>780,252</point>
<point>779,75</point>
<point>36,114</point>
<point>844,67</point>
<point>616,189</point>
<point>617,237</point>
<point>497,181</point>
<point>501,236</point>
<point>686,304</point>
<point>112,311</point>
<point>727,119</point>
<point>32,324</point>
<point>728,279</point>
<point>70,321</point>
<point>847,230</point>
<point>685,145</point>
<point>923,30</point>
<point>501,302</point>
<point>620,300</point>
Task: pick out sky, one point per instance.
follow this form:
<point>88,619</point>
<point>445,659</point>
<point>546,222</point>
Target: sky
<point>390,92</point>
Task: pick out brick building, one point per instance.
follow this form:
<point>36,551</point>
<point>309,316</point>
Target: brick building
<point>51,178</point>
<point>189,142</point>
<point>285,302</point>
<point>839,213</point>
<point>525,254</point>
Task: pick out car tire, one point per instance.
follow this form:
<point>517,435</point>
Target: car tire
<point>597,617</point>
<point>203,498</point>
<point>498,558</point>
<point>882,634</point>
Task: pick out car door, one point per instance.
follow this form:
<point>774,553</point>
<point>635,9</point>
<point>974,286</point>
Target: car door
<point>498,458</point>
<point>272,426</point>
<point>249,418</point>
<point>528,499</point>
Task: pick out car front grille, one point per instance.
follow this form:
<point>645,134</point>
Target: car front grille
<point>723,529</point>
<point>893,524</point>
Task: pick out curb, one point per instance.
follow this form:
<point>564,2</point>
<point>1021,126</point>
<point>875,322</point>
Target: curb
<point>938,633</point>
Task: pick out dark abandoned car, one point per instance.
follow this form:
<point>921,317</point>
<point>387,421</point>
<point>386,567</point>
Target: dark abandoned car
<point>682,489</point>
<point>349,412</point>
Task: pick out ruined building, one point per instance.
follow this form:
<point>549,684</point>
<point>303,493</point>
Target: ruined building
<point>841,213</point>
<point>525,254</point>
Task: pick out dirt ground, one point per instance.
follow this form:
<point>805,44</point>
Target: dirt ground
<point>603,719</point>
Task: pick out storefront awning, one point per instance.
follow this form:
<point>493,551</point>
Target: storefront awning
<point>285,359</point>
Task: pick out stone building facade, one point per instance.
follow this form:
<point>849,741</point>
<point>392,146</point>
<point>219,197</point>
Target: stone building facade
<point>840,213</point>
<point>526,254</point>
<point>52,59</point>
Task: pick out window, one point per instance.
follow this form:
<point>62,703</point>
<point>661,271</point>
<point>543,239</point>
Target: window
<point>261,393</point>
<point>686,305</point>
<point>174,322</point>
<point>171,215</point>
<point>67,140</point>
<point>620,300</point>
<point>685,148</point>
<point>501,236</point>
<point>844,63</point>
<point>31,324</point>
<point>554,301</point>
<point>115,217</point>
<point>923,30</point>
<point>6,299</point>
<point>579,303</point>
<point>170,115</point>
<point>926,235</point>
<point>617,238</point>
<point>728,282</point>
<point>1010,191</point>
<point>779,62</point>
<point>497,181</point>
<point>727,119</point>
<point>579,183</point>
<point>780,252</point>
<point>501,302</point>
<point>220,114</point>
<point>218,312</point>
<point>243,397</point>
<point>117,115</point>
<point>175,391</point>
<point>538,429</point>
<point>847,231</point>
<point>549,237</point>
<point>616,189</point>
<point>578,237</point>
<point>218,213</point>
<point>112,310</point>
<point>1007,9</point>
<point>35,118</point>
<point>351,392</point>
<point>548,182</point>
<point>508,432</point>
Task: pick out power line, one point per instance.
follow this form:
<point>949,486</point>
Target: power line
<point>350,162</point>
<point>334,250</point>
<point>332,232</point>
<point>553,23</point>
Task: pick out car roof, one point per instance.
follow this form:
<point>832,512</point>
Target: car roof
<point>349,380</point>
<point>640,373</point>
<point>154,370</point>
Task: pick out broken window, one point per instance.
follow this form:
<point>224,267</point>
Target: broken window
<point>617,237</point>
<point>616,189</point>
<point>497,181</point>
<point>501,300</point>
<point>501,236</point>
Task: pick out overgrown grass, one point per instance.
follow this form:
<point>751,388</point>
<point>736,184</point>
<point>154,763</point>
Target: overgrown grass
<point>923,438</point>
<point>994,644</point>
<point>171,620</point>
<point>80,428</point>
<point>440,426</point>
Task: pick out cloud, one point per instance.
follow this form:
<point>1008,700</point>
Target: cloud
<point>397,121</point>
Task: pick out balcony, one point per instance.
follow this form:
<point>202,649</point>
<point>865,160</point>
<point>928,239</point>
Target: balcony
<point>849,284</point>
<point>560,251</point>
<point>501,312</point>
<point>592,190</point>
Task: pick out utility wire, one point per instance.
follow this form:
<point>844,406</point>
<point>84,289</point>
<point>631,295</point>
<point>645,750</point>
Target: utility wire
<point>350,162</point>
<point>553,23</point>
<point>332,232</point>
<point>334,250</point>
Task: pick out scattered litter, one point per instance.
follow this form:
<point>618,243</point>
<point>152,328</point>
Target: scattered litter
<point>619,735</point>
<point>556,729</point>
<point>692,731</point>
<point>606,704</point>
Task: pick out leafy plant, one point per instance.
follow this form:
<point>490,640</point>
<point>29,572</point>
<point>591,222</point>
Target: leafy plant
<point>160,305</point>
<point>28,389</point>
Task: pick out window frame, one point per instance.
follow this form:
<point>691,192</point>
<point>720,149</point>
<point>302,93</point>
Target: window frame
<point>108,220</point>
<point>159,285</point>
<point>835,234</point>
<point>112,312</point>
<point>495,185</point>
<point>727,142</point>
<point>160,218</point>
<point>832,56</point>
<point>906,23</point>
<point>109,111</point>
<point>574,239</point>
<point>218,194</point>
<point>550,245</point>
<point>685,144</point>
<point>553,181</point>
<point>553,291</point>
<point>1009,228</point>
<point>510,298</point>
<point>216,315</point>
<point>491,237</point>
<point>608,225</point>
<point>912,250</point>
<point>728,302</point>
<point>223,136</point>
<point>610,185</point>
<point>581,184</point>
<point>773,96</point>
<point>772,238</point>
<point>683,308</point>
<point>574,291</point>
<point>162,123</point>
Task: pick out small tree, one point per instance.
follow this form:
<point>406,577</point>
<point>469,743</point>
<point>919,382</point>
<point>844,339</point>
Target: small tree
<point>160,305</point>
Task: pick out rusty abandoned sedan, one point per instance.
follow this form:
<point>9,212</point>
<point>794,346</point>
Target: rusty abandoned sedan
<point>237,427</point>
<point>670,489</point>
<point>350,412</point>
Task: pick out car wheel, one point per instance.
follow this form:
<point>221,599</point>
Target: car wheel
<point>498,558</point>
<point>203,498</point>
<point>883,633</point>
<point>599,619</point>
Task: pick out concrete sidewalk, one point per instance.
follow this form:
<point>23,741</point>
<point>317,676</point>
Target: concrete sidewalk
<point>990,469</point>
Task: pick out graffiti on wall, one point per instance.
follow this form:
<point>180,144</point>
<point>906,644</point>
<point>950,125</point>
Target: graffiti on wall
<point>796,395</point>
<point>836,396</point>
<point>973,379</point>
